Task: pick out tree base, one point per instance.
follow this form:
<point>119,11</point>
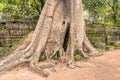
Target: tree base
<point>59,33</point>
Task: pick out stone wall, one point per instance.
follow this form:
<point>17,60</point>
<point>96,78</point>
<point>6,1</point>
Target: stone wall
<point>113,34</point>
<point>13,30</point>
<point>101,37</point>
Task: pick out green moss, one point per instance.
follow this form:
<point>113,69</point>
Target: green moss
<point>16,16</point>
<point>95,38</point>
<point>4,51</point>
<point>36,17</point>
<point>79,57</point>
<point>108,48</point>
<point>42,59</point>
<point>111,43</point>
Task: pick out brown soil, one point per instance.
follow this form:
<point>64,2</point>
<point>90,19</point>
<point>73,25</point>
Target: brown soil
<point>106,67</point>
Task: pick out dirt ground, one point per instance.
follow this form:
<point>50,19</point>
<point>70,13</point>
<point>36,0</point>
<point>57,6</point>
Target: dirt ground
<point>106,67</point>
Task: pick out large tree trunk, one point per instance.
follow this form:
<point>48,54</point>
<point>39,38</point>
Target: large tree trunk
<point>60,32</point>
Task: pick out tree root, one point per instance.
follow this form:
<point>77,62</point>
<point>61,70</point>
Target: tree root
<point>71,64</point>
<point>18,58</point>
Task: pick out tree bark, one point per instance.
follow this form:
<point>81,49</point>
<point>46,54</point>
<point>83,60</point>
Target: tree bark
<point>59,33</point>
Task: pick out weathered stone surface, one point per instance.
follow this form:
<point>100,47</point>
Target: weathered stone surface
<point>14,29</point>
